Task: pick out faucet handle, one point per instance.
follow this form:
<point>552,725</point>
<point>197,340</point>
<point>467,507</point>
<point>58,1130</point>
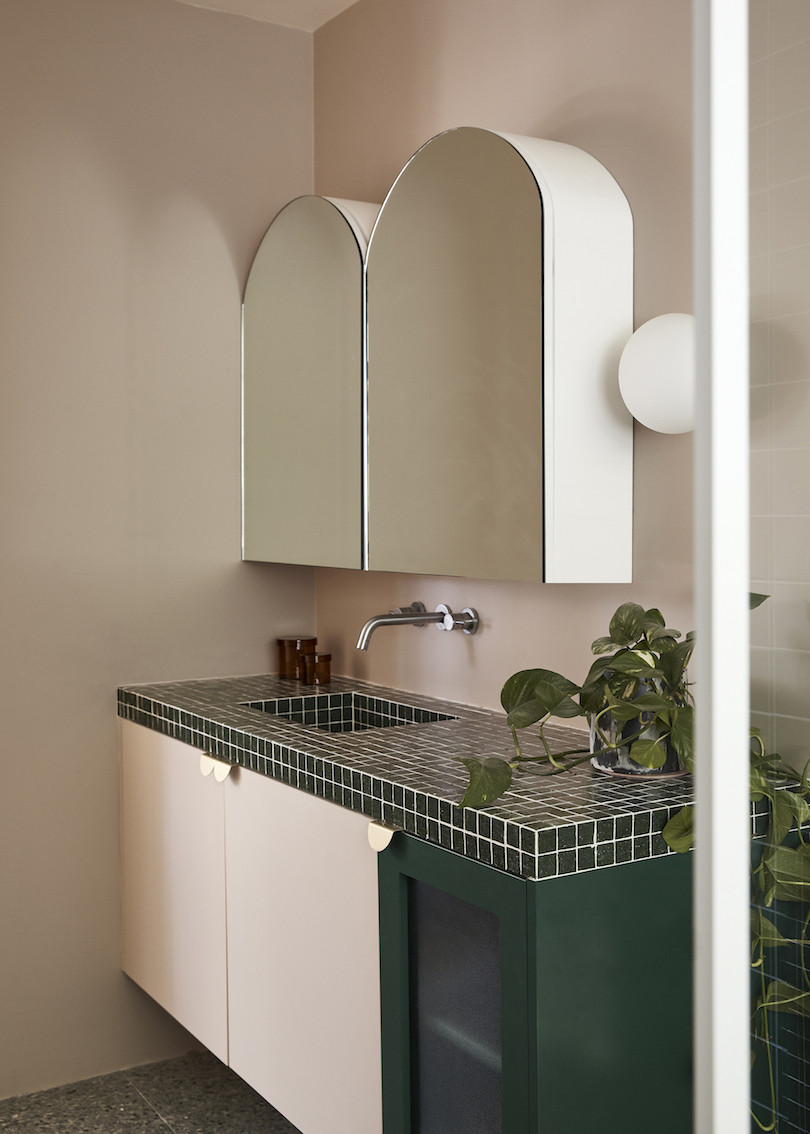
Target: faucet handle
<point>466,621</point>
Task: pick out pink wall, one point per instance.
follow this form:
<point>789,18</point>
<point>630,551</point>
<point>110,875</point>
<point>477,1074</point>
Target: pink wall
<point>614,79</point>
<point>145,146</point>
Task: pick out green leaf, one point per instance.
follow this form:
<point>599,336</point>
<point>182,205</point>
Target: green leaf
<point>783,997</point>
<point>682,733</point>
<point>781,817</point>
<point>622,711</point>
<point>764,930</point>
<point>556,681</point>
<point>755,600</point>
<point>768,896</point>
<point>662,637</point>
<point>801,808</point>
<point>649,753</point>
<point>653,619</point>
<point>519,688</point>
<point>679,832</point>
<point>593,696</point>
<point>602,645</point>
<point>634,663</point>
<point>558,704</point>
<point>789,871</point>
<point>673,662</point>
<point>622,685</point>
<point>627,624</point>
<point>655,702</point>
<point>489,779</point>
<point>592,693</point>
<point>523,687</point>
<point>543,692</point>
<point>526,714</point>
<point>759,786</point>
<point>597,670</point>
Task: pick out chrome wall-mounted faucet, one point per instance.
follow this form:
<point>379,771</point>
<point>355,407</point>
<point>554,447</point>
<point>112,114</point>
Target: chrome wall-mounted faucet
<point>417,615</point>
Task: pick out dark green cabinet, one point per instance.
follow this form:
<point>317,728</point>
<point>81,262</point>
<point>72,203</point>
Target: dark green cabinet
<point>534,1007</point>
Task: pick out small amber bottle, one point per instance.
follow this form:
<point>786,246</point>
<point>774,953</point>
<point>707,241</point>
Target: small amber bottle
<point>304,658</point>
<point>288,651</point>
<point>322,668</point>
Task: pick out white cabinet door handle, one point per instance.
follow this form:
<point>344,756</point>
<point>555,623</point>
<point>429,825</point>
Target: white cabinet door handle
<point>208,765</point>
<point>379,837</point>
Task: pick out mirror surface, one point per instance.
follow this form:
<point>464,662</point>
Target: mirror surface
<point>302,390</point>
<point>455,356</point>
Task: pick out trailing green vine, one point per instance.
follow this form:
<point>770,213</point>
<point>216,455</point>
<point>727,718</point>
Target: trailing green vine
<point>780,872</point>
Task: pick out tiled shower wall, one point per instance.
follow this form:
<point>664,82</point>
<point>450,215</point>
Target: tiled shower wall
<point>780,372</point>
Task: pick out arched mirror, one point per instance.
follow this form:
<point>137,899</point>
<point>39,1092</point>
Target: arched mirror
<point>499,292</point>
<point>302,386</point>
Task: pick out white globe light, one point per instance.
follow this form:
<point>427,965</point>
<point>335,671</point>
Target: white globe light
<point>657,374</point>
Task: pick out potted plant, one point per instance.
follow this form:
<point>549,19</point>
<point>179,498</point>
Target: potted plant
<point>638,701</point>
<point>636,698</point>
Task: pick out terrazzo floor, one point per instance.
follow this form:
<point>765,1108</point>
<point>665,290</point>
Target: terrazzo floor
<point>195,1094</point>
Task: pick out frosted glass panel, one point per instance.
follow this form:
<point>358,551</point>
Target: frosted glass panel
<point>779,199</point>
<point>456,1014</point>
<point>779,154</point>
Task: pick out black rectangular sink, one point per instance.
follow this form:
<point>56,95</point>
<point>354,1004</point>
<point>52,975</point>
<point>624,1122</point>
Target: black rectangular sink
<point>346,712</point>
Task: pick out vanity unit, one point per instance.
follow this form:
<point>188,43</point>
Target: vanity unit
<point>250,915</point>
<point>438,394</point>
<point>526,968</point>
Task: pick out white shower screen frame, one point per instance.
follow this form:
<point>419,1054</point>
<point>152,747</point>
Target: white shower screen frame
<point>721,943</point>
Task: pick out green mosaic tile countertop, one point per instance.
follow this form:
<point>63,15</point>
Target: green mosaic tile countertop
<point>408,772</point>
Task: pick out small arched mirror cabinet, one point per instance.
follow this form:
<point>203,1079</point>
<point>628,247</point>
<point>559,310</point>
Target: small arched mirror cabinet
<point>302,386</point>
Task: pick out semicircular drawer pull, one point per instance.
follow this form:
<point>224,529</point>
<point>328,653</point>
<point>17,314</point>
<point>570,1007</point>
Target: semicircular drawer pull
<point>208,765</point>
<point>379,836</point>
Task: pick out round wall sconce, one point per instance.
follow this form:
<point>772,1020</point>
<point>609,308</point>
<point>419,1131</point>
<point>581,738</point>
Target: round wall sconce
<point>657,374</point>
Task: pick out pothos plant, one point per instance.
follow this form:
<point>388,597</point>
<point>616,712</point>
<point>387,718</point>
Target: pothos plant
<point>638,698</point>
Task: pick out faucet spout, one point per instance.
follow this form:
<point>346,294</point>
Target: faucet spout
<point>413,615</point>
<point>416,615</point>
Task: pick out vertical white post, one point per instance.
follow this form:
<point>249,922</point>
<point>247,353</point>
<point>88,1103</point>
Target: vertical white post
<point>722,1047</point>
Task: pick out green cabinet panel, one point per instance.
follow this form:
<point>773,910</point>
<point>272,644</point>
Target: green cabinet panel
<point>593,972</point>
<point>610,974</point>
